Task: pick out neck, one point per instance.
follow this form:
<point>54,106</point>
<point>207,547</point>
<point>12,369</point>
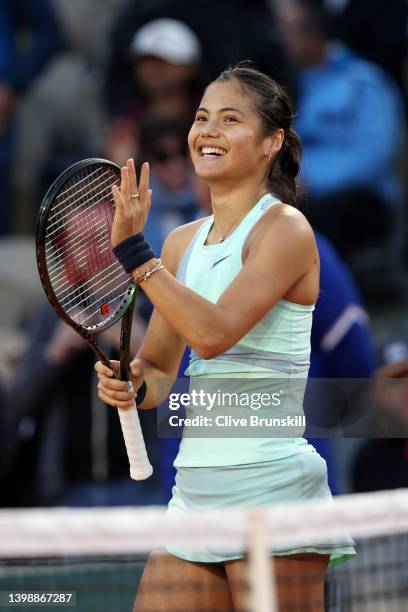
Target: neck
<point>230,204</point>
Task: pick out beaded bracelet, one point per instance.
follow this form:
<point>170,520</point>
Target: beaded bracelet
<point>140,277</point>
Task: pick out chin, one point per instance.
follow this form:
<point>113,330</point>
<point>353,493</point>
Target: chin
<point>208,173</point>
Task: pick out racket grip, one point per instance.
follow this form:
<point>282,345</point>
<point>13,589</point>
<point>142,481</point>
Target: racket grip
<point>140,467</point>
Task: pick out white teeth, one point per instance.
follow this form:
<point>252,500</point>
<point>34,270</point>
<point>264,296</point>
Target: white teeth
<point>212,151</point>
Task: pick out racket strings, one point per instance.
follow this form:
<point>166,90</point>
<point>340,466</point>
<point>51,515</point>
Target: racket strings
<point>61,250</point>
<point>85,189</point>
<point>70,229</point>
<point>71,207</point>
<point>87,280</point>
<point>111,300</point>
<point>83,293</point>
<point>66,286</point>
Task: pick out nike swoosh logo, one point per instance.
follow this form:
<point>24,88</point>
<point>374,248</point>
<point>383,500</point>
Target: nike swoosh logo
<point>220,260</point>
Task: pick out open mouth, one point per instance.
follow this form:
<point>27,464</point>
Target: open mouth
<point>211,152</point>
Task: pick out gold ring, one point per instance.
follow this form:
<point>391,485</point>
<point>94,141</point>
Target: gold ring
<point>134,195</point>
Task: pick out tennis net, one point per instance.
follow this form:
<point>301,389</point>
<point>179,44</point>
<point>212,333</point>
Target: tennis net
<point>93,559</point>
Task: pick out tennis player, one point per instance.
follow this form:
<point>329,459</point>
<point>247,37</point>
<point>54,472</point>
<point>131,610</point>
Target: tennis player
<point>239,288</point>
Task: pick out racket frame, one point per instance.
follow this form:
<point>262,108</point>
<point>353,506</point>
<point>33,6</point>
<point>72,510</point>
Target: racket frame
<point>130,294</point>
<point>124,311</point>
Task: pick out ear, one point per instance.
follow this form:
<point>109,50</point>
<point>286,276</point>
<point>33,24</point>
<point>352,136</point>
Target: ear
<point>274,143</point>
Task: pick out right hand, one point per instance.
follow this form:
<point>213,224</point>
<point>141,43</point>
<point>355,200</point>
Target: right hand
<point>116,392</point>
<point>130,211</point>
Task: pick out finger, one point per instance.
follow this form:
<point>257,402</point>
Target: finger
<point>124,182</point>
<point>115,403</point>
<point>132,175</point>
<point>117,196</point>
<point>136,366</point>
<point>144,183</point>
<point>113,383</point>
<point>148,201</point>
<point>102,369</point>
<point>121,396</point>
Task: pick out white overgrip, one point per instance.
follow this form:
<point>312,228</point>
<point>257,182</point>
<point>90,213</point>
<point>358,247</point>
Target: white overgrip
<point>140,467</point>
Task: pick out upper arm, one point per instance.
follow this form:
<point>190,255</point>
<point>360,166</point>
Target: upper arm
<point>281,253</point>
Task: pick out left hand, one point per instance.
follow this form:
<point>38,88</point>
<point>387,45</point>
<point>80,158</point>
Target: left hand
<point>131,212</point>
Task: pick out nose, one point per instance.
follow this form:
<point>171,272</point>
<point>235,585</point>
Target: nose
<point>210,128</point>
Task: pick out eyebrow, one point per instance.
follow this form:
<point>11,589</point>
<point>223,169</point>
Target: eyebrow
<point>222,110</point>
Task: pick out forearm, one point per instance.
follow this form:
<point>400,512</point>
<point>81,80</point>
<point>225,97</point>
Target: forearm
<point>203,325</point>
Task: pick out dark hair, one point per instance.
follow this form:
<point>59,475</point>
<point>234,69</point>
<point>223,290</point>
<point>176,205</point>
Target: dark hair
<point>275,110</point>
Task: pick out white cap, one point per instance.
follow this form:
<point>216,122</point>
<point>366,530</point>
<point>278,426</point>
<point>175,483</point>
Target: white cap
<point>169,39</point>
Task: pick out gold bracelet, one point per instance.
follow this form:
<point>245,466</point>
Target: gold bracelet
<point>140,277</point>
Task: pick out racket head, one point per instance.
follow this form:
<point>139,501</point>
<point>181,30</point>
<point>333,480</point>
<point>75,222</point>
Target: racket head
<point>84,282</point>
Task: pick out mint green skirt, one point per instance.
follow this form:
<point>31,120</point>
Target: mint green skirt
<point>301,476</point>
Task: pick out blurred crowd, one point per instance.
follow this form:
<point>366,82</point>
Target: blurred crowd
<point>122,78</point>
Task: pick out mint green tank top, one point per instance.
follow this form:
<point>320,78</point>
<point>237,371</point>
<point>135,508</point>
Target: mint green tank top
<point>277,347</point>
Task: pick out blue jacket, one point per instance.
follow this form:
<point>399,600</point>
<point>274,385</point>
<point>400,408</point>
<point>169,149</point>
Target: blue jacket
<point>19,66</point>
<point>341,340</point>
<point>350,119</point>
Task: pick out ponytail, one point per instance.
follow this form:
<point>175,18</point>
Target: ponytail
<point>274,108</point>
<point>282,177</point>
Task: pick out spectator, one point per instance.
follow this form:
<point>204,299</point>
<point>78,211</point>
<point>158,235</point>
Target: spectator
<point>341,340</point>
<point>382,463</point>
<point>164,145</point>
<point>20,63</point>
<point>63,445</point>
<point>245,29</point>
<point>165,62</point>
<point>342,346</point>
<point>350,119</point>
<point>378,31</point>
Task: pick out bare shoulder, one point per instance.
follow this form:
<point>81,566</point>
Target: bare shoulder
<point>286,228</point>
<point>284,216</point>
<point>177,242</point>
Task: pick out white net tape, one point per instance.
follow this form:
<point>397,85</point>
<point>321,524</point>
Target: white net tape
<point>99,531</point>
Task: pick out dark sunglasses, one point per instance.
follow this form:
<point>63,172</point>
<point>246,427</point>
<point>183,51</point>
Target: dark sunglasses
<point>165,156</point>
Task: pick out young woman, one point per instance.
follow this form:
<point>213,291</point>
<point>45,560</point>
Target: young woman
<point>239,288</point>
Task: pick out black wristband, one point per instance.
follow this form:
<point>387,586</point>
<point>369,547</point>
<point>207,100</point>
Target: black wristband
<point>133,252</point>
<point>141,393</point>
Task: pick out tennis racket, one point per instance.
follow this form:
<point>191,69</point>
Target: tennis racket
<point>84,282</point>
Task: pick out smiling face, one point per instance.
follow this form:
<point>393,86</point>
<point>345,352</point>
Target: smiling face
<point>226,139</point>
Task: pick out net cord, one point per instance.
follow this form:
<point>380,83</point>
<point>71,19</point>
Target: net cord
<point>125,530</point>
